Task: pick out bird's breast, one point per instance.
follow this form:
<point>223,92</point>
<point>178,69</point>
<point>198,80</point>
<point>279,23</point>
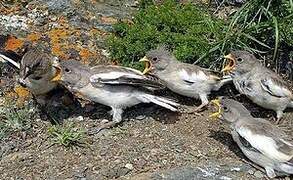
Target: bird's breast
<point>110,95</point>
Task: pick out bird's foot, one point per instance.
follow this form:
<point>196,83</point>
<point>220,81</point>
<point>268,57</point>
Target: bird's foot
<point>104,125</point>
<point>190,110</point>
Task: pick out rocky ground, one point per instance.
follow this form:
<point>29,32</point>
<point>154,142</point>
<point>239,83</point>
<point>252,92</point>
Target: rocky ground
<point>152,143</point>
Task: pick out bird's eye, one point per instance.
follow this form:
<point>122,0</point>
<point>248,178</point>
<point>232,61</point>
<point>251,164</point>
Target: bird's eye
<point>225,109</point>
<point>37,78</point>
<point>239,59</point>
<point>155,59</point>
<point>67,70</point>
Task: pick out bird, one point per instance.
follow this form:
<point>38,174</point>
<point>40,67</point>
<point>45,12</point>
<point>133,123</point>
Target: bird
<point>260,84</point>
<point>182,78</point>
<point>36,72</point>
<point>262,142</point>
<point>114,86</point>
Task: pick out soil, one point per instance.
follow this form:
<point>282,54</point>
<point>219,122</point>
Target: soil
<point>151,143</point>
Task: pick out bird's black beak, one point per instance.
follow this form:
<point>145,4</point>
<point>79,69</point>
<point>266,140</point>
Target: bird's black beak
<point>22,83</point>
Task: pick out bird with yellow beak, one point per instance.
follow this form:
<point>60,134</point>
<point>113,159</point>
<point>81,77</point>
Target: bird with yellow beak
<point>182,78</point>
<point>260,84</point>
<point>260,141</point>
<point>114,86</point>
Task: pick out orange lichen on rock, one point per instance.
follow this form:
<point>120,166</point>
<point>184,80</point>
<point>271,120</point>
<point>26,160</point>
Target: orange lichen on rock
<point>13,44</point>
<point>33,37</point>
<point>21,92</point>
<point>85,54</point>
<point>108,20</point>
<point>56,36</point>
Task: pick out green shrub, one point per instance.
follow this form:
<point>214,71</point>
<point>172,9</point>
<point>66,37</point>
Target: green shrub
<point>187,30</point>
<point>194,36</point>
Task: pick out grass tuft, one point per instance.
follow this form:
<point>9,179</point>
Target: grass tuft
<point>14,118</point>
<point>66,135</point>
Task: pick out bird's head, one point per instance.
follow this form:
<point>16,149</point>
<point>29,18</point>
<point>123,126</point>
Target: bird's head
<point>36,68</point>
<point>70,72</point>
<point>239,61</point>
<point>229,110</point>
<point>157,60</point>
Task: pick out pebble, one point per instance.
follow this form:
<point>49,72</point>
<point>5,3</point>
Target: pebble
<point>250,171</point>
<point>129,166</point>
<point>104,121</point>
<point>79,118</point>
<point>258,174</point>
<point>235,169</point>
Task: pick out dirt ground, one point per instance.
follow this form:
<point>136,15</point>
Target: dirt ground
<point>151,143</point>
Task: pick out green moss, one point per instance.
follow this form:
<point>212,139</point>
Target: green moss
<point>187,30</point>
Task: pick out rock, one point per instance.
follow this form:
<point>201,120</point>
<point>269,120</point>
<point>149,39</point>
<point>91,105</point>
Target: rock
<point>122,172</point>
<point>258,174</point>
<point>57,5</point>
<point>115,172</point>
<point>129,166</point>
<point>80,118</point>
<point>250,171</point>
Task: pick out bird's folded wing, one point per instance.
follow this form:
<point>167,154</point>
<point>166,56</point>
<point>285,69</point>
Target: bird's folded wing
<point>117,75</point>
<point>269,144</point>
<point>275,87</point>
<point>189,76</point>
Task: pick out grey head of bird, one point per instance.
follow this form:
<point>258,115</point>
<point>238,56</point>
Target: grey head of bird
<point>230,110</point>
<point>157,59</point>
<point>71,73</point>
<point>240,62</point>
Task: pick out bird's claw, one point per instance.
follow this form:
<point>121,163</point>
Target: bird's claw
<point>189,111</point>
<point>94,131</point>
<point>104,125</point>
<point>217,114</point>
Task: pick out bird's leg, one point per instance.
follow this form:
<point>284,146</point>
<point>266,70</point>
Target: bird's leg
<point>279,116</point>
<point>117,117</point>
<point>204,102</point>
<point>270,172</point>
<point>111,112</point>
<point>223,82</point>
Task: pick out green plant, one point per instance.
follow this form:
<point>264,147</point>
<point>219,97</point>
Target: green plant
<point>13,118</point>
<point>189,31</point>
<point>264,27</point>
<point>260,26</point>
<point>66,135</point>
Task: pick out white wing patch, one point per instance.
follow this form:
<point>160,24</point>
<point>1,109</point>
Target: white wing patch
<point>264,144</point>
<point>113,75</point>
<point>194,77</point>
<point>274,89</point>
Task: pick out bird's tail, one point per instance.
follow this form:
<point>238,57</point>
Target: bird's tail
<point>5,58</point>
<point>161,101</point>
<point>287,167</point>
